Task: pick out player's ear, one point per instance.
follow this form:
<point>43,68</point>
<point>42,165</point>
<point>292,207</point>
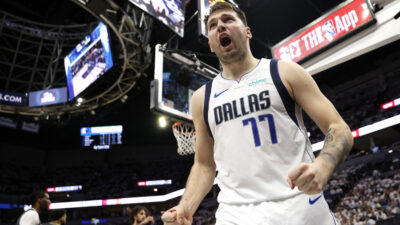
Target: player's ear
<point>249,35</point>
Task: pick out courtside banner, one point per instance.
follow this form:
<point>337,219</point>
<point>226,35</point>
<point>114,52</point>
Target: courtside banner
<point>12,98</point>
<point>326,31</point>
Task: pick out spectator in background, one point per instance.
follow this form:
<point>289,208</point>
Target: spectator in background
<point>57,217</point>
<point>40,201</point>
<point>139,215</point>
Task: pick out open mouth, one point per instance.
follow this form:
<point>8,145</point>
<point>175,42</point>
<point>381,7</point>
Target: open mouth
<point>225,41</point>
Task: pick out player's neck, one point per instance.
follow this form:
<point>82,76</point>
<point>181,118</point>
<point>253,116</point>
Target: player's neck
<point>36,208</point>
<point>237,69</point>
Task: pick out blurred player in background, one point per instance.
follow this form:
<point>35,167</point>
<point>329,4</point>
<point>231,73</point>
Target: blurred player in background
<point>57,217</point>
<point>139,215</point>
<point>249,125</point>
<point>40,202</point>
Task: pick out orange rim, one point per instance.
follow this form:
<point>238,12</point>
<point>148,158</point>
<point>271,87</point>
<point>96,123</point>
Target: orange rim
<point>176,124</point>
<point>180,132</point>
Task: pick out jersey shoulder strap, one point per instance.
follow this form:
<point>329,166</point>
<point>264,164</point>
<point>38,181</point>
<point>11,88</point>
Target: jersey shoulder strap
<point>206,104</point>
<point>288,102</point>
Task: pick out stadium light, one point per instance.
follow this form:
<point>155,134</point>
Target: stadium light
<point>162,122</point>
<point>79,101</point>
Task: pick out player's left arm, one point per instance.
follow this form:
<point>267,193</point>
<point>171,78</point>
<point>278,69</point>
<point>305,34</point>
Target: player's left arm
<point>311,178</point>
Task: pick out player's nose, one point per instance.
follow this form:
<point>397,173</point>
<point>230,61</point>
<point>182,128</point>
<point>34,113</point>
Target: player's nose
<point>221,26</point>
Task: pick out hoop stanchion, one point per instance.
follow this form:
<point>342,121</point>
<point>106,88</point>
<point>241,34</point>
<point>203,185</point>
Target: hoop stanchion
<point>185,136</point>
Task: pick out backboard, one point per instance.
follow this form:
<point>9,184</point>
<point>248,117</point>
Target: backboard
<point>177,75</point>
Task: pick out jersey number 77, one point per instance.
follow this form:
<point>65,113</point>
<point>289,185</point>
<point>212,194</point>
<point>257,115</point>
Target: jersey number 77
<point>254,127</point>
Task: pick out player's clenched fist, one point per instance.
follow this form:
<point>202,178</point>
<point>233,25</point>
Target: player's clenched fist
<point>309,178</point>
<point>176,216</point>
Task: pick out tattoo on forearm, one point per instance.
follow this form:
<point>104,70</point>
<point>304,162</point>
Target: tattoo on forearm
<point>331,158</point>
<point>336,147</point>
<point>329,136</point>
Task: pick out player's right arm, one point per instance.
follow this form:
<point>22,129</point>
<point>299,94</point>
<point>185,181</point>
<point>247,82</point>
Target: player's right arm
<point>202,174</point>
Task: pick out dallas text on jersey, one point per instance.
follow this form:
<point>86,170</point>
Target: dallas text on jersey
<point>233,110</point>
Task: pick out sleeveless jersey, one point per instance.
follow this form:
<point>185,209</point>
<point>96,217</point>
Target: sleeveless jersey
<point>258,134</point>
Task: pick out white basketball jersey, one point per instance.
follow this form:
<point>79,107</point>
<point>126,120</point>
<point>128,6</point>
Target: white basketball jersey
<point>258,134</point>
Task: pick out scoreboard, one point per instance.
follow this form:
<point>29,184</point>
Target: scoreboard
<point>102,137</point>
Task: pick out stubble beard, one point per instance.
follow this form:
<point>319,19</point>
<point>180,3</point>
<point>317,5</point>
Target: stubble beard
<point>232,57</point>
<point>237,53</point>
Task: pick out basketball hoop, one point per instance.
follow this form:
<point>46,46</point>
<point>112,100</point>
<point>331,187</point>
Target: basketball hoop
<point>185,136</point>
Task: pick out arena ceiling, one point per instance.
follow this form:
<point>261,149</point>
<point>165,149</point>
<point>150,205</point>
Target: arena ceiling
<point>270,21</point>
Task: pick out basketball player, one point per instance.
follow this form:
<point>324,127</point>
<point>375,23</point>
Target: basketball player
<point>57,217</point>
<point>249,127</point>
<point>140,215</point>
<point>40,201</point>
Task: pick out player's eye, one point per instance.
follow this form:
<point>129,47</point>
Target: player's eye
<point>212,25</point>
<point>228,19</point>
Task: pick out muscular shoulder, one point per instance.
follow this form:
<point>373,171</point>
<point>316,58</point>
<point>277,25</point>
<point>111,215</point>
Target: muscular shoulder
<point>199,93</point>
<point>292,75</point>
<point>198,97</point>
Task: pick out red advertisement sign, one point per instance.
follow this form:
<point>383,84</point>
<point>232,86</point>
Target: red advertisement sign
<point>325,31</point>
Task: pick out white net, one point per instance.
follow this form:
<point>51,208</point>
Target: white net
<point>185,136</point>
